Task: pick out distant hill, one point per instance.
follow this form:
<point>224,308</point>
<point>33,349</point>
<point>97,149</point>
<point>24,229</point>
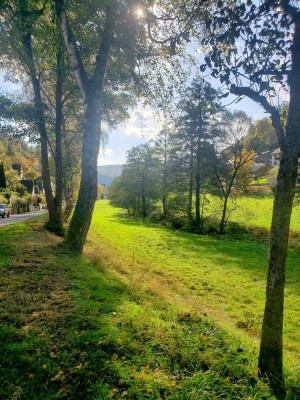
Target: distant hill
<point>107,173</point>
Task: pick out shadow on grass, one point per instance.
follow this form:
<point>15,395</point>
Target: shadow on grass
<point>70,331</point>
<point>95,339</point>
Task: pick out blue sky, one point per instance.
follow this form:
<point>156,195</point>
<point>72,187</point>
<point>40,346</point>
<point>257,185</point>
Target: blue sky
<point>142,126</point>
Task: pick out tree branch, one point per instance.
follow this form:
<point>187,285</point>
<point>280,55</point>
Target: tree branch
<point>79,71</point>
<point>103,53</point>
<point>260,99</point>
<point>292,11</point>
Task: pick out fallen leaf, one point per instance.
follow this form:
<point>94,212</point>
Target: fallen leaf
<point>57,376</point>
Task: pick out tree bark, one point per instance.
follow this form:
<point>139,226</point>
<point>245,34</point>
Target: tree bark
<point>91,90</point>
<point>59,126</point>
<point>54,222</point>
<point>190,204</point>
<point>81,220</point>
<point>270,357</point>
<point>164,194</point>
<point>197,188</point>
<point>223,219</point>
<point>144,205</point>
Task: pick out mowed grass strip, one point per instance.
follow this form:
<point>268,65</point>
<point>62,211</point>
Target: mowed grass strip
<point>220,277</point>
<point>74,328</point>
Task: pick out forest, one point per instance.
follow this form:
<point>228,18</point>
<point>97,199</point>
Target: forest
<point>180,280</point>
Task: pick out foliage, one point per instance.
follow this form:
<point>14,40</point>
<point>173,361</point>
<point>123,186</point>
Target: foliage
<point>139,182</point>
<point>261,136</point>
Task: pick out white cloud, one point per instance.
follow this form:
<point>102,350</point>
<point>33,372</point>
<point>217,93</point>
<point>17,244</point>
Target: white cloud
<point>143,123</point>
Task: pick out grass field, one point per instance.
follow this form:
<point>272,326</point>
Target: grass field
<point>146,313</point>
<point>254,211</point>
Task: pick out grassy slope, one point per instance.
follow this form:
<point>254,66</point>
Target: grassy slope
<point>223,278</point>
<point>135,320</point>
<point>253,210</point>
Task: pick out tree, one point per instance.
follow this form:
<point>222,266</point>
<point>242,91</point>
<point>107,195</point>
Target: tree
<point>195,130</point>
<point>233,162</point>
<point>2,177</point>
<point>255,48</point>
<point>163,150</point>
<point>141,173</point>
<point>20,30</point>
<point>261,136</point>
<point>111,29</point>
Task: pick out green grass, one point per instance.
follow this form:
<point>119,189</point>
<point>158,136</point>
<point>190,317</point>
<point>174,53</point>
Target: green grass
<point>146,313</point>
<point>224,278</point>
<point>252,211</point>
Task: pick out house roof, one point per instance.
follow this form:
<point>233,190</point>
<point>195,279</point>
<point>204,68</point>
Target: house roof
<point>276,151</point>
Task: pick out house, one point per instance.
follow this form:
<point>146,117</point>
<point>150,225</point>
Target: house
<point>263,157</point>
<point>275,157</point>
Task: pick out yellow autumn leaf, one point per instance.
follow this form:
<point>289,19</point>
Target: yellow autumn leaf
<point>79,366</point>
<point>44,366</point>
<point>30,376</point>
<point>57,376</point>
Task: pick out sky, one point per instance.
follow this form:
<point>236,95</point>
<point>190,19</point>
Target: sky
<point>144,124</point>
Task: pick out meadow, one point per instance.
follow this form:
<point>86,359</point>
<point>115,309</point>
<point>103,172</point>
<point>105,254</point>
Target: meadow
<point>146,313</point>
<point>252,211</point>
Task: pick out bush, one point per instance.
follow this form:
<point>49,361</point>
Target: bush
<point>211,226</point>
<point>236,230</point>
<point>179,222</point>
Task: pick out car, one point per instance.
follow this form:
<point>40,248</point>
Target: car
<point>4,210</point>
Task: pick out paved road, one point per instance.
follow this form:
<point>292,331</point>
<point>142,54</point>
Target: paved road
<point>13,219</point>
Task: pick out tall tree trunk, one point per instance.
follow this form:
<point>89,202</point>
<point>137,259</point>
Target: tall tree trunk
<point>197,201</point>
<point>190,204</point>
<point>81,220</point>
<point>54,222</point>
<point>59,126</point>
<point>144,205</point>
<point>270,357</point>
<point>91,90</point>
<point>197,189</point>
<point>164,194</point>
<point>224,212</point>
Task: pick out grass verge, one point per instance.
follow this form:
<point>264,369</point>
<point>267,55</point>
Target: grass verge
<point>101,328</point>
